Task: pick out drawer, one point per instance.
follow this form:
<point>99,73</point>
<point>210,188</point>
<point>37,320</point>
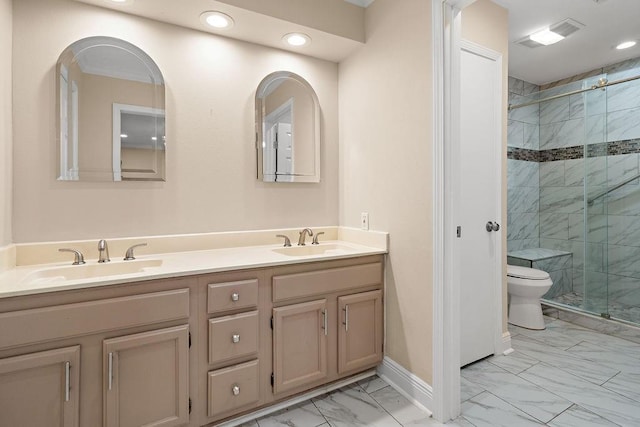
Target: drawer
<point>233,336</point>
<point>321,282</point>
<point>233,388</point>
<point>72,320</point>
<point>228,296</point>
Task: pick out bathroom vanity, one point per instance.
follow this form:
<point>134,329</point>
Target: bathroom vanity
<point>192,349</point>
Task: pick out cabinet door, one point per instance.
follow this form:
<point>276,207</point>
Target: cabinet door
<point>360,331</point>
<point>146,379</point>
<point>41,389</point>
<point>299,344</point>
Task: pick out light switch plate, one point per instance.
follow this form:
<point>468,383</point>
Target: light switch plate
<point>364,220</point>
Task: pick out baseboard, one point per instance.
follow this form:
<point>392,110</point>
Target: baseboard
<point>409,385</point>
<point>506,343</point>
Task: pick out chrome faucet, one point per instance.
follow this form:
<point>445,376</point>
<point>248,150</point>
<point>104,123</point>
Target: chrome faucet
<point>79,259</point>
<point>103,251</point>
<point>303,234</point>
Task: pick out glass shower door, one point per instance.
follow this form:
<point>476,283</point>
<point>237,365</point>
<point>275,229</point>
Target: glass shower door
<point>591,275</point>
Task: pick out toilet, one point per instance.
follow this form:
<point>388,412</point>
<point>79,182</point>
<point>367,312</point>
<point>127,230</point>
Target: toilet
<point>525,286</point>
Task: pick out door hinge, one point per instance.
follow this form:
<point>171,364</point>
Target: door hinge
<point>271,322</point>
<point>458,231</point>
<point>189,339</point>
<point>189,405</point>
<point>273,379</point>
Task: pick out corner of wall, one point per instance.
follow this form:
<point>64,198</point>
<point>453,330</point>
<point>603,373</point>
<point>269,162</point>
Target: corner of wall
<point>6,122</point>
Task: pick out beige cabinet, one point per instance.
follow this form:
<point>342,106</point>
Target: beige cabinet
<point>299,344</point>
<point>360,331</point>
<point>146,378</point>
<point>41,389</point>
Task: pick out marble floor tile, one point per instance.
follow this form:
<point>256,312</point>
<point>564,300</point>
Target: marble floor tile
<point>605,403</point>
<point>580,417</point>
<point>529,398</point>
<point>401,408</point>
<point>303,415</point>
<point>352,406</point>
<point>548,336</point>
<point>626,384</point>
<point>487,410</point>
<point>605,356</point>
<point>468,389</point>
<point>573,364</point>
<point>514,362</point>
<point>372,384</point>
<point>253,423</point>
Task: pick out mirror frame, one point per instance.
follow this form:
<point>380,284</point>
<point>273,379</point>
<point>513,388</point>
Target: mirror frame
<point>259,129</point>
<point>69,56</point>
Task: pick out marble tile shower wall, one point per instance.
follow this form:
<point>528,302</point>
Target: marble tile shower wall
<point>612,230</point>
<point>523,176</point>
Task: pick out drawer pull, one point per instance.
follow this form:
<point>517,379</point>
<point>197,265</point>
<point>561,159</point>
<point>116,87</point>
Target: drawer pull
<point>235,390</point>
<point>235,338</point>
<point>235,296</point>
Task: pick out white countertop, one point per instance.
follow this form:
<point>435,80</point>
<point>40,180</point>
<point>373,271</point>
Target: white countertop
<point>20,279</point>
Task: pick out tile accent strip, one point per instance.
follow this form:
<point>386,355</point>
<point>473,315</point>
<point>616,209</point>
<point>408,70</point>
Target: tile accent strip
<point>628,146</point>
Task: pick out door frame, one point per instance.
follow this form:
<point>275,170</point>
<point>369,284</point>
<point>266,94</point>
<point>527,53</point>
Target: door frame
<point>447,45</point>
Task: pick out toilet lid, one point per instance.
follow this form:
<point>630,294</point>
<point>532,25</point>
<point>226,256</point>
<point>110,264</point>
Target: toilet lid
<point>526,273</point>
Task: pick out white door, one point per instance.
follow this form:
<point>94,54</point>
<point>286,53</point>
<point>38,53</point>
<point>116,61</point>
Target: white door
<point>480,202</point>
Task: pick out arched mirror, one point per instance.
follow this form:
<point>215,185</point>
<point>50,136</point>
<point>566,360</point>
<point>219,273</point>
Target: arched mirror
<point>111,113</point>
<point>287,129</point>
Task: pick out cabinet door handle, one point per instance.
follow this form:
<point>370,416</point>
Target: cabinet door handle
<point>235,338</point>
<point>235,296</point>
<point>110,370</point>
<point>67,380</point>
<point>235,390</point>
<point>324,322</point>
<point>346,318</point>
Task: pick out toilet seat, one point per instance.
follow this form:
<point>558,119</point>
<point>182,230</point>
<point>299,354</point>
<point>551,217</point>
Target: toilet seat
<point>527,273</point>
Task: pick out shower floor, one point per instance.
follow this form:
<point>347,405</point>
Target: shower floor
<point>616,309</point>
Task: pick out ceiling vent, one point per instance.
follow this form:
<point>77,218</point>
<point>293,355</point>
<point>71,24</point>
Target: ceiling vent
<point>566,27</point>
<point>563,28</point>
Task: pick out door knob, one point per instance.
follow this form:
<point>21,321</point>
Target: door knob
<point>492,226</point>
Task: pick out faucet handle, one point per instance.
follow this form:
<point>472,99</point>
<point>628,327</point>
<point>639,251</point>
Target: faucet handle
<point>287,241</point>
<point>79,258</point>
<point>129,255</point>
<point>315,238</point>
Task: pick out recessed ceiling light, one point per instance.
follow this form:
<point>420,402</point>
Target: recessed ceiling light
<point>120,1</point>
<point>217,20</point>
<point>626,45</point>
<point>124,135</point>
<point>154,138</point>
<point>296,39</point>
<point>546,37</point>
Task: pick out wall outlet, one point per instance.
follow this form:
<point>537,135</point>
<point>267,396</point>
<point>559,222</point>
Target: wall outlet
<point>364,220</point>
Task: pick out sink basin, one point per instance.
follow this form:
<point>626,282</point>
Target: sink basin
<point>91,270</point>
<point>321,249</point>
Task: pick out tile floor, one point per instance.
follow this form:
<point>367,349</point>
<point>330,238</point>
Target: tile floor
<point>564,376</point>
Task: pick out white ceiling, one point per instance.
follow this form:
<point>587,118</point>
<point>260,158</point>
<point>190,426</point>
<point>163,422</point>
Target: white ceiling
<point>607,23</point>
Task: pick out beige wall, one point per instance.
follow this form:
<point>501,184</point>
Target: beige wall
<point>385,162</point>
<point>487,24</point>
<point>6,138</point>
<point>211,178</point>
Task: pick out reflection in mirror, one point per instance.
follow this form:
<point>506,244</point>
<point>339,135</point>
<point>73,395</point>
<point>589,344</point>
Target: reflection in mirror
<point>111,113</point>
<point>287,129</point>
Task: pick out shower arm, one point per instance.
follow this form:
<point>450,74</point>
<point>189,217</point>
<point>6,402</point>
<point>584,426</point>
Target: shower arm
<point>609,190</point>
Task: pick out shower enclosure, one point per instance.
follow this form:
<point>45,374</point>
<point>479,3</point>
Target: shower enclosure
<point>586,156</point>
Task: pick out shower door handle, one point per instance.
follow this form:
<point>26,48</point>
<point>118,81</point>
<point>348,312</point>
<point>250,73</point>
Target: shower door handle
<point>492,226</point>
